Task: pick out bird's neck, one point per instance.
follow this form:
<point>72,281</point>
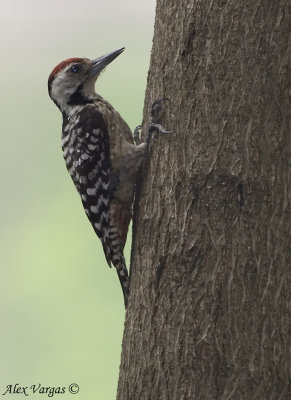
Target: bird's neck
<point>78,101</point>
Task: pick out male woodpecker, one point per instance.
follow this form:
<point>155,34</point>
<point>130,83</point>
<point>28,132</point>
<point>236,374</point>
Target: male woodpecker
<point>99,152</point>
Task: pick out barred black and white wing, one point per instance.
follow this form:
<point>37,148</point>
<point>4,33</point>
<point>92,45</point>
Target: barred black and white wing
<point>86,152</point>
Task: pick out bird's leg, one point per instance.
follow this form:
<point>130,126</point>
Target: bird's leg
<point>136,136</point>
<point>154,126</point>
<point>156,114</point>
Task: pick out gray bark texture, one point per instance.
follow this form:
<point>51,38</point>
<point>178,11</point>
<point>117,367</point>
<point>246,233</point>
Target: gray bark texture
<point>209,309</point>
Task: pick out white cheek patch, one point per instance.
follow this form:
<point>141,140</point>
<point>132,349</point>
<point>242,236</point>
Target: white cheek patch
<point>62,89</point>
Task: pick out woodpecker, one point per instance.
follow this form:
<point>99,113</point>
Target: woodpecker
<point>99,153</point>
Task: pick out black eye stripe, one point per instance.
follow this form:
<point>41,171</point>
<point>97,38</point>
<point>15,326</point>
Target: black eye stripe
<point>75,68</point>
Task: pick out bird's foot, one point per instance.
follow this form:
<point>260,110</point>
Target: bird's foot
<point>136,135</point>
<point>156,114</point>
<point>153,129</point>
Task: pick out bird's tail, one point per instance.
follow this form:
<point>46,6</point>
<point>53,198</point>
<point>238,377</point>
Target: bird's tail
<point>123,276</point>
<point>115,256</point>
<point>120,216</point>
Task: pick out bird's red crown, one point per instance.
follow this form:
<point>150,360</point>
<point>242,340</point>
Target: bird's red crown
<point>62,65</point>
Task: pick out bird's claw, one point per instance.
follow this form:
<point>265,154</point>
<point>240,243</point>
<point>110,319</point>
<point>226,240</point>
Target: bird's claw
<point>136,136</point>
<point>158,128</point>
<point>154,127</point>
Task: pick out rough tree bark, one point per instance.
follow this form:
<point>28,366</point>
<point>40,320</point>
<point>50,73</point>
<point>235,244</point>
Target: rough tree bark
<point>209,310</point>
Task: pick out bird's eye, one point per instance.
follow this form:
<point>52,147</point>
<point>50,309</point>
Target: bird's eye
<point>75,69</point>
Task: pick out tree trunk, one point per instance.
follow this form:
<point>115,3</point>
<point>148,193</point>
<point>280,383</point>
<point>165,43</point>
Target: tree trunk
<point>209,309</point>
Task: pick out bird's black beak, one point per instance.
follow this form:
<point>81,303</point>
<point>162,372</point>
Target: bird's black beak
<point>101,62</point>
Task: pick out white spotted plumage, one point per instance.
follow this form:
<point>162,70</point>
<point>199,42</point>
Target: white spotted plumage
<point>99,153</point>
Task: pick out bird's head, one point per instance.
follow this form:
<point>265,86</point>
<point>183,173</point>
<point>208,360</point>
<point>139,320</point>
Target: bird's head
<point>72,82</point>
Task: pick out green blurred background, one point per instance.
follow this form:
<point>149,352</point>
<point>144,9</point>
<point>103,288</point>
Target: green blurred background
<point>61,307</point>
